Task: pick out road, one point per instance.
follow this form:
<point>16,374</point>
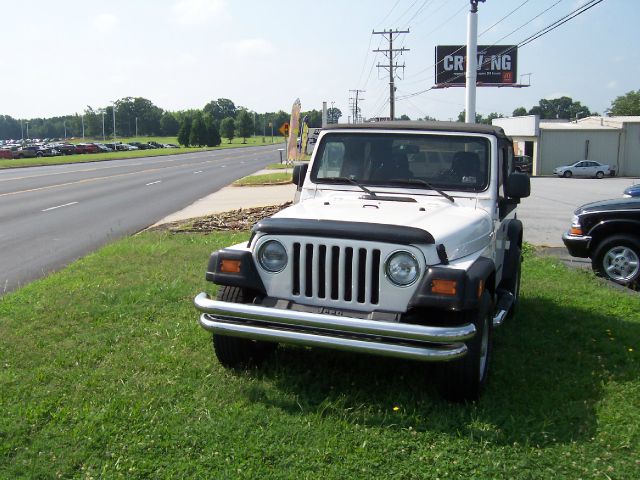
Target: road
<point>547,213</point>
<point>50,216</point>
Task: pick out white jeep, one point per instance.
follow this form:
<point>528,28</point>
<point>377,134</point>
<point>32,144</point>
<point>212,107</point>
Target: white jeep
<point>404,242</point>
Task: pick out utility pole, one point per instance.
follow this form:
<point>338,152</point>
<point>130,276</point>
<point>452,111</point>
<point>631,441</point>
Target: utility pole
<point>391,54</point>
<point>472,62</point>
<point>355,109</point>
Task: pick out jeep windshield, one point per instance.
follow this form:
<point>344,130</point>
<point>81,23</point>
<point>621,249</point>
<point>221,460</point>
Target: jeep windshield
<point>412,160</point>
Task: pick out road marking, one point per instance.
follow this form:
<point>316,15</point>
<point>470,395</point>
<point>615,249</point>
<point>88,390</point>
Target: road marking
<point>59,206</point>
<point>199,171</point>
<point>153,183</point>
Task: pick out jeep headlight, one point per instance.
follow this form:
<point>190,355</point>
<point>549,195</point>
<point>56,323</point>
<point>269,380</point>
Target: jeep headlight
<point>402,268</point>
<point>272,256</point>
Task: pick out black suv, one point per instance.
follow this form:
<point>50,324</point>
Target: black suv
<point>608,232</point>
<point>522,163</point>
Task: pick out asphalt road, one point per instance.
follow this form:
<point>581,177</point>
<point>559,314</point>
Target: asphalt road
<point>547,213</point>
<point>50,216</point>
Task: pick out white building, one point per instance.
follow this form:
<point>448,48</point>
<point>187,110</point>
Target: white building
<point>552,143</point>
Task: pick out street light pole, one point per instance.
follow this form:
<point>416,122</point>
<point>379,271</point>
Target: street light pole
<point>136,127</point>
<point>114,124</point>
<point>64,123</point>
<point>21,130</point>
<point>82,121</point>
<point>27,130</point>
<point>103,137</point>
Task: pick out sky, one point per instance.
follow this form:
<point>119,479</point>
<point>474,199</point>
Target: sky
<point>61,56</point>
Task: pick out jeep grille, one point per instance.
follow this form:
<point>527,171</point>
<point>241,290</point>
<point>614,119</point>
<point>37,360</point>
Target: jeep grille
<point>339,273</point>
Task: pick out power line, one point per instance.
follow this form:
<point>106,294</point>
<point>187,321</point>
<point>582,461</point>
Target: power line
<point>549,28</point>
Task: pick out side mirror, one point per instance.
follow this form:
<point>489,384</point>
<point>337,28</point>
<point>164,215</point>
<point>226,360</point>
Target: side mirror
<point>518,185</point>
<point>299,173</point>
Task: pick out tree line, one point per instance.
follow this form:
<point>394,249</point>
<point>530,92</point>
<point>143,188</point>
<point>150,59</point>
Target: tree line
<point>138,115</point>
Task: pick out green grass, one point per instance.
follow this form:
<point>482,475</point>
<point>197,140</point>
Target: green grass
<point>279,178</point>
<point>105,373</point>
<point>98,157</point>
<point>278,166</point>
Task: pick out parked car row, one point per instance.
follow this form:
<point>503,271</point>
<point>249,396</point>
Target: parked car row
<point>13,150</point>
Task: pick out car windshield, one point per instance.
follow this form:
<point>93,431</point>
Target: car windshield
<point>447,162</point>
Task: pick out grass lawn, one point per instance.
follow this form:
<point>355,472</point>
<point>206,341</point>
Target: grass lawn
<point>98,157</point>
<point>278,178</point>
<point>104,372</point>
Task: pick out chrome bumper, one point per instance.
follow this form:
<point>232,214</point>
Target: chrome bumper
<point>400,340</point>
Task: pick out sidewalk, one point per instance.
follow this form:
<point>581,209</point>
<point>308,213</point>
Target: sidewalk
<point>233,198</point>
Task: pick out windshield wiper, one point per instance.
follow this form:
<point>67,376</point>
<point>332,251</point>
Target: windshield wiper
<point>352,182</point>
<point>418,181</point>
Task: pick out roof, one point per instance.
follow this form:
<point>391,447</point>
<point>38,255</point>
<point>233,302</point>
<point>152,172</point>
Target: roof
<point>423,126</point>
<point>574,126</point>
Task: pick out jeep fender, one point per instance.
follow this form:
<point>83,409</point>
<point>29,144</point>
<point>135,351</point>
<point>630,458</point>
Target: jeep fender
<point>469,286</point>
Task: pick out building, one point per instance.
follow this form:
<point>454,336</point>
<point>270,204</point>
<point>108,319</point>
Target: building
<point>552,143</point>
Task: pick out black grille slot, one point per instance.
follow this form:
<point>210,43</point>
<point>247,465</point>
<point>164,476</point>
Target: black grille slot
<point>362,278</point>
<point>296,269</point>
<point>322,274</point>
<point>375,277</point>
<point>348,273</point>
<point>308,286</point>
<point>335,273</point>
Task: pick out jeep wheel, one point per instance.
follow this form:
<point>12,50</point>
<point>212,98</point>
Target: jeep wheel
<point>567,174</point>
<point>234,352</point>
<point>464,379</point>
<point>618,259</point>
<point>600,175</point>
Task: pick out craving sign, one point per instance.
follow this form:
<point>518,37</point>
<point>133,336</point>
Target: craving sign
<point>496,64</point>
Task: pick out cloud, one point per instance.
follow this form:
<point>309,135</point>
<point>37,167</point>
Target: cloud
<point>250,47</point>
<point>612,84</point>
<point>105,22</point>
<point>198,12</point>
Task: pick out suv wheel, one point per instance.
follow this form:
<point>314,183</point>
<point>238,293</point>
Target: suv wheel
<point>234,352</point>
<point>618,258</point>
<point>464,379</point>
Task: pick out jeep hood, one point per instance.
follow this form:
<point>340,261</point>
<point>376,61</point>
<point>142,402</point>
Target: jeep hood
<point>461,228</point>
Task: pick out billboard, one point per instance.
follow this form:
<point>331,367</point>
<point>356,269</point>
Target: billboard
<point>497,64</point>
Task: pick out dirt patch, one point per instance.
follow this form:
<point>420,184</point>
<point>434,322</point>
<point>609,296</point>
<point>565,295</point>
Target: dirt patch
<point>233,220</point>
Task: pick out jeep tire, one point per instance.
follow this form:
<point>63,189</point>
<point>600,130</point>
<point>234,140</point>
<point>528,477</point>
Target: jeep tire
<point>234,352</point>
<point>464,379</point>
<point>511,282</point>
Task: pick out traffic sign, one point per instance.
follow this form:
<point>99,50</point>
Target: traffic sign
<point>284,129</point>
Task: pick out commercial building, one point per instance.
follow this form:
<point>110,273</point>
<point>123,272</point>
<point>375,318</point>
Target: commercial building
<point>552,143</point>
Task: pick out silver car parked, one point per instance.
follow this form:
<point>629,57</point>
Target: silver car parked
<point>583,168</point>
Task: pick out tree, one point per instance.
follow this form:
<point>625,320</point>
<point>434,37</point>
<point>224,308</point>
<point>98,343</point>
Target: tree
<point>169,124</point>
<point>244,125</point>
<point>428,118</point>
<point>185,131</point>
<point>520,112</point>
<point>220,109</point>
<point>333,114</point>
<point>404,117</point>
<point>627,104</point>
<point>212,134</point>
<point>556,108</point>
<point>314,118</point>
<point>228,128</point>
<point>198,132</point>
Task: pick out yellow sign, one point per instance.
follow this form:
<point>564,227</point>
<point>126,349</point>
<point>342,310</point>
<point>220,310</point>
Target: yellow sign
<point>284,129</point>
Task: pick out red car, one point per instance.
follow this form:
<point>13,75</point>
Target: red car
<point>5,153</point>
<point>87,148</point>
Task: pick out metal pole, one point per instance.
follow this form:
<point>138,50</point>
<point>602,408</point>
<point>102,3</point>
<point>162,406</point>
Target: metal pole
<point>103,137</point>
<point>27,130</point>
<point>21,130</point>
<point>136,127</point>
<point>114,124</point>
<point>392,87</point>
<point>64,123</point>
<point>82,120</point>
<point>472,62</point>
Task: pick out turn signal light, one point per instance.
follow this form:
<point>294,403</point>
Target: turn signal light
<point>444,287</point>
<point>230,266</point>
<point>575,231</point>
